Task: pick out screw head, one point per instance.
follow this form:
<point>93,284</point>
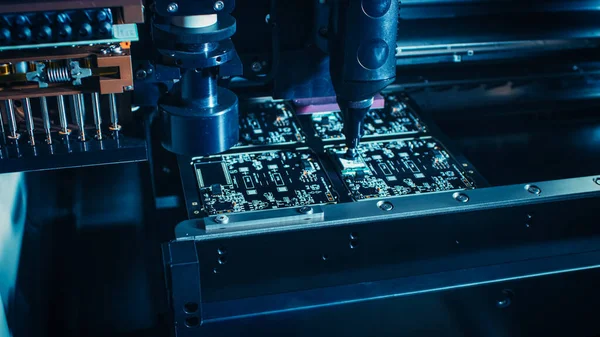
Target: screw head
<point>305,210</point>
<point>385,206</point>
<point>256,67</point>
<point>172,7</point>
<point>141,74</point>
<point>597,181</point>
<point>533,189</point>
<point>128,88</point>
<point>461,197</point>
<point>219,5</point>
<point>222,219</point>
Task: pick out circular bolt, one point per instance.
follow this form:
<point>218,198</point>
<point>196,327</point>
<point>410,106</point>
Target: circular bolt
<point>256,67</point>
<point>460,197</point>
<point>506,299</point>
<point>533,189</point>
<point>141,74</point>
<point>172,7</point>
<point>305,210</point>
<point>597,181</point>
<point>219,5</point>
<point>128,88</point>
<point>222,219</point>
<point>385,206</point>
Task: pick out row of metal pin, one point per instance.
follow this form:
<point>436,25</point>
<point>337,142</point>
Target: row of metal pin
<point>78,103</point>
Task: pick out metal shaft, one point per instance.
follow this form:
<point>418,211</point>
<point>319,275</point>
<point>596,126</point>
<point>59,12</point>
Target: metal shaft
<point>79,115</point>
<point>46,119</point>
<point>1,124</point>
<point>29,120</point>
<point>10,118</point>
<point>62,115</point>
<point>97,116</point>
<point>114,113</point>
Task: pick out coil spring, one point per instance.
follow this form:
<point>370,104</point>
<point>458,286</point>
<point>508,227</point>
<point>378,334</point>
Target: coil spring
<point>59,74</point>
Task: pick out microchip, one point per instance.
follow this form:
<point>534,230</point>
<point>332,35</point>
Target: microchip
<point>216,189</point>
<point>307,166</point>
<point>215,172</point>
<point>349,166</point>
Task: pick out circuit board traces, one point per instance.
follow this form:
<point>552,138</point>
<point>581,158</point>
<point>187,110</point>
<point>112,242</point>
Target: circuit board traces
<point>393,120</point>
<point>262,180</point>
<point>400,167</point>
<point>269,124</point>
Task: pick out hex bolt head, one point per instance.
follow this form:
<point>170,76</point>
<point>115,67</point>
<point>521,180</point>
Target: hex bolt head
<point>172,7</point>
<point>533,189</point>
<point>305,210</point>
<point>219,5</point>
<point>461,197</point>
<point>222,219</point>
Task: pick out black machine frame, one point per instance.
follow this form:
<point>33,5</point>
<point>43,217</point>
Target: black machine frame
<point>360,252</point>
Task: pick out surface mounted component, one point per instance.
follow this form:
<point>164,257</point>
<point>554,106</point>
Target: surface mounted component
<point>395,119</point>
<point>399,167</point>
<point>269,124</point>
<point>262,180</point>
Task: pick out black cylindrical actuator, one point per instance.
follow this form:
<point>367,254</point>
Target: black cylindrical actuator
<point>362,47</point>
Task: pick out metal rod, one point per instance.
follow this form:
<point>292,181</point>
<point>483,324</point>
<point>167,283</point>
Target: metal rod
<point>29,120</point>
<point>11,119</point>
<point>97,116</point>
<point>46,119</point>
<point>62,115</point>
<point>1,124</point>
<point>114,113</point>
<point>79,115</point>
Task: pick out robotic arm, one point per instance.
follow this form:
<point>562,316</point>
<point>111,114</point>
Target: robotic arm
<point>362,39</point>
<point>200,118</point>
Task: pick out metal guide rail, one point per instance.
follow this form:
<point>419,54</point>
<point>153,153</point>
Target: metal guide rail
<point>335,255</point>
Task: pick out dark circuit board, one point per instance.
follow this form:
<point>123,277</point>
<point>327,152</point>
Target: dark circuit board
<point>393,120</point>
<point>262,180</point>
<point>399,167</point>
<point>268,124</point>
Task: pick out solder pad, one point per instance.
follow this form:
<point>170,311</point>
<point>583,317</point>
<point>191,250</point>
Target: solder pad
<point>262,180</point>
<point>268,124</point>
<point>399,167</point>
<point>393,120</point>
